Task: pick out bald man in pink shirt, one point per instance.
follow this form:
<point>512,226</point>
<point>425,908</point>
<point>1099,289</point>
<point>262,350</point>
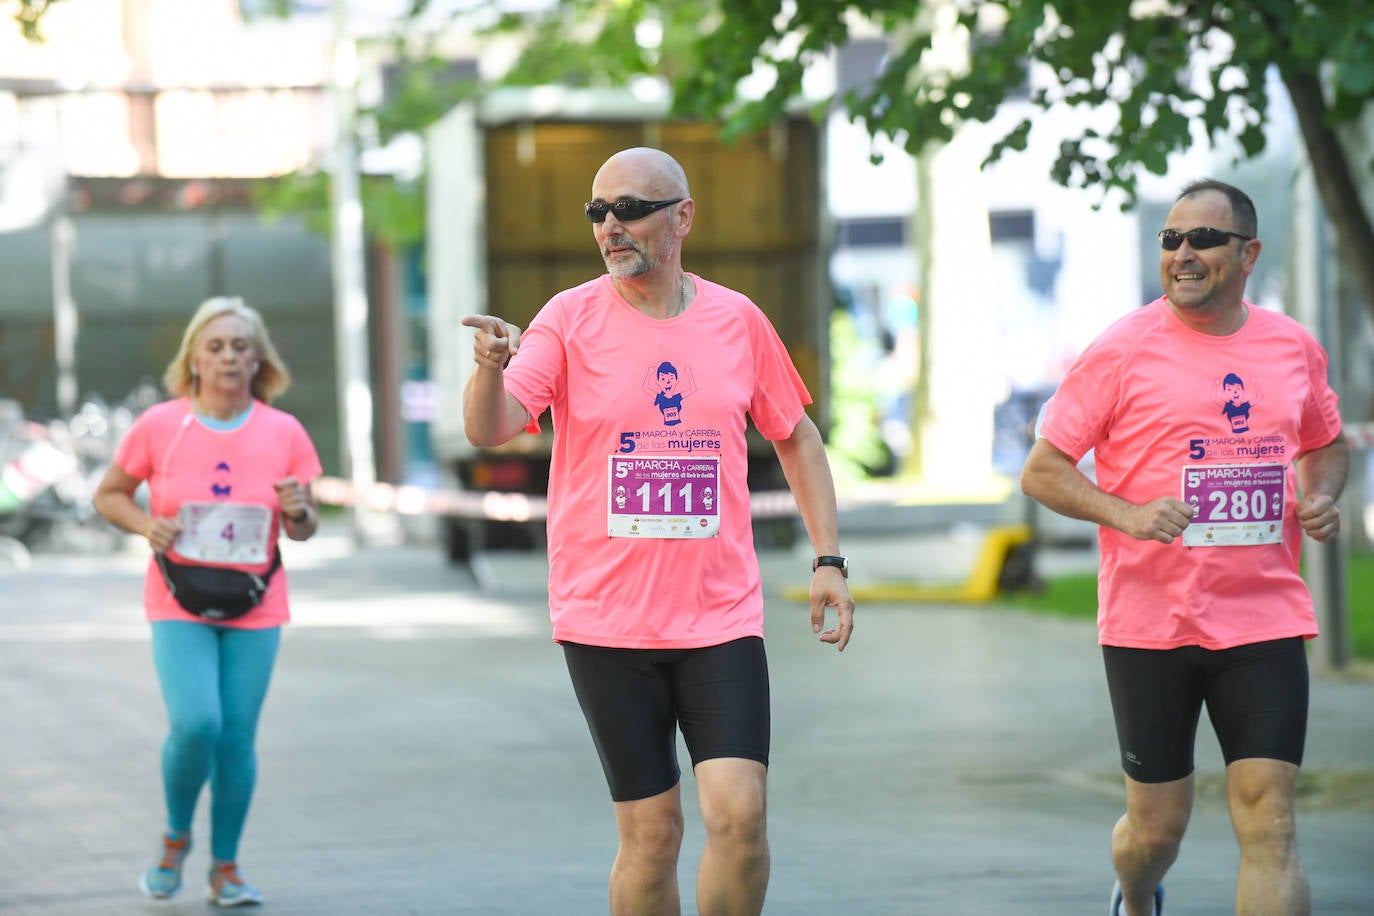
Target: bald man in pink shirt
<point>649,373</point>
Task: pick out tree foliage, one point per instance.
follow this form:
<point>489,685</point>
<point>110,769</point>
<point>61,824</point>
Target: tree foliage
<point>421,90</point>
<point>605,42</point>
<point>393,206</point>
<point>29,17</point>
<point>1160,76</point>
<point>1166,70</point>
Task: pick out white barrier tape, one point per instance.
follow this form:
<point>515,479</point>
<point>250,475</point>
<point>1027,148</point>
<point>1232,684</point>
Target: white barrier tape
<point>1360,435</point>
<point>520,507</point>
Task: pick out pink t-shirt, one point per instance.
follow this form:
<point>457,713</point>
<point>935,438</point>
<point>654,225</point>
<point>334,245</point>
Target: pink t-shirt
<point>619,383</point>
<point>183,460</point>
<point>1155,398</point>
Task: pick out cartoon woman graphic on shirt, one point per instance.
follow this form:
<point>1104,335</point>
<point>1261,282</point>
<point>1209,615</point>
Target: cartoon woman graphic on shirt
<point>1236,402</point>
<point>669,390</point>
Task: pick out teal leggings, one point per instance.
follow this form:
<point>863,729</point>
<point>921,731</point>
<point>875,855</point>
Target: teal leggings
<point>214,680</point>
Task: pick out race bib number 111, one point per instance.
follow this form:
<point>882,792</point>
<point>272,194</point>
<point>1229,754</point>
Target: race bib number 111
<point>661,496</point>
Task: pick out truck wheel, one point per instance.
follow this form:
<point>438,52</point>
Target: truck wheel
<point>775,533</point>
<point>457,541</point>
<point>512,535</point>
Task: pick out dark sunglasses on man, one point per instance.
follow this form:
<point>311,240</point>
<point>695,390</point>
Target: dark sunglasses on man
<point>1199,239</point>
<point>626,211</point>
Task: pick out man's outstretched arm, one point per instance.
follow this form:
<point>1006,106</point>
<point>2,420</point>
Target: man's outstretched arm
<point>491,415</point>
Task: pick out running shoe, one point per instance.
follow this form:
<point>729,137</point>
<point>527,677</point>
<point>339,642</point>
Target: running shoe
<point>164,879</point>
<point>228,889</point>
<point>1116,909</point>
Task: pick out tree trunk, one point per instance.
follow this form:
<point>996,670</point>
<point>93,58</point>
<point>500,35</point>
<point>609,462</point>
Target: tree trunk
<point>922,233</point>
<point>1335,182</point>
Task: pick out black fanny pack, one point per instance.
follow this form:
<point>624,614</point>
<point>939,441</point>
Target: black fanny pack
<point>214,592</point>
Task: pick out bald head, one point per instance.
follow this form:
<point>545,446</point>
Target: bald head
<point>654,172</point>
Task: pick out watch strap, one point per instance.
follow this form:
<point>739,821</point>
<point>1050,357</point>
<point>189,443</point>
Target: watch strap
<point>840,563</point>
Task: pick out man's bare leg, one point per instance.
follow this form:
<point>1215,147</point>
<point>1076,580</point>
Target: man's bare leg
<point>1145,840</point>
<point>733,877</point>
<point>1271,881</point>
<point>644,877</point>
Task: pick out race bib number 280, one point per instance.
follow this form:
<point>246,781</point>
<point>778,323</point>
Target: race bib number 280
<point>661,496</point>
<point>1234,504</point>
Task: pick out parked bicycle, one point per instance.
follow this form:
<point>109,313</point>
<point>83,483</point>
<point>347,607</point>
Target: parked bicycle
<point>49,471</point>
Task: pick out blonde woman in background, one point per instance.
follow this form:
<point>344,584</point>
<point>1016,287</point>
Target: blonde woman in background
<point>227,474</point>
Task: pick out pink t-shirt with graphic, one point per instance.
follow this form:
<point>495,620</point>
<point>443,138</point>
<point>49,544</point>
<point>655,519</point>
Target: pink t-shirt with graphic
<point>1158,400</point>
<point>621,384</point>
<point>183,460</point>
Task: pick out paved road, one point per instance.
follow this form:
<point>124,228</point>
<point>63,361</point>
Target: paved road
<point>421,753</point>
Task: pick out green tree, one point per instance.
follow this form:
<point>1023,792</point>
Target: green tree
<point>1170,71</point>
<point>393,208</point>
<point>1167,69</point>
<point>29,16</point>
<point>420,92</point>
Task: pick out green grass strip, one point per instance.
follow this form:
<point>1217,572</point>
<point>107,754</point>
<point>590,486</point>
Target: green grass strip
<point>1076,596</point>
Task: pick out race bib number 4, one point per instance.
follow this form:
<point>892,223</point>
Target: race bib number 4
<point>660,496</point>
<point>1234,504</point>
<point>224,532</point>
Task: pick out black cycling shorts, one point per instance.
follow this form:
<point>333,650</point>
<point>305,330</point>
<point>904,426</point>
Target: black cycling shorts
<point>1256,697</point>
<point>636,699</point>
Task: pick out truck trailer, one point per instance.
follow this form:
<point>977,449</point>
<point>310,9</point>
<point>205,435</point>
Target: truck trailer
<point>508,175</point>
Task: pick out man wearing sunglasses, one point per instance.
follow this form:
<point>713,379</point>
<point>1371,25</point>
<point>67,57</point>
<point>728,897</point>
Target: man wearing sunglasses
<point>654,586</point>
<point>1199,597</point>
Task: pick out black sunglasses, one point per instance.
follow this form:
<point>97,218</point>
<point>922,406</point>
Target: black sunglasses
<point>1199,239</point>
<point>626,211</point>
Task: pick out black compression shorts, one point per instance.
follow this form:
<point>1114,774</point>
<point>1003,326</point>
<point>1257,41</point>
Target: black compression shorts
<point>1256,697</point>
<point>636,699</point>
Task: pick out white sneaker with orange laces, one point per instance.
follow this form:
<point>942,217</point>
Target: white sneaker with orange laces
<point>164,879</point>
<point>228,889</point>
